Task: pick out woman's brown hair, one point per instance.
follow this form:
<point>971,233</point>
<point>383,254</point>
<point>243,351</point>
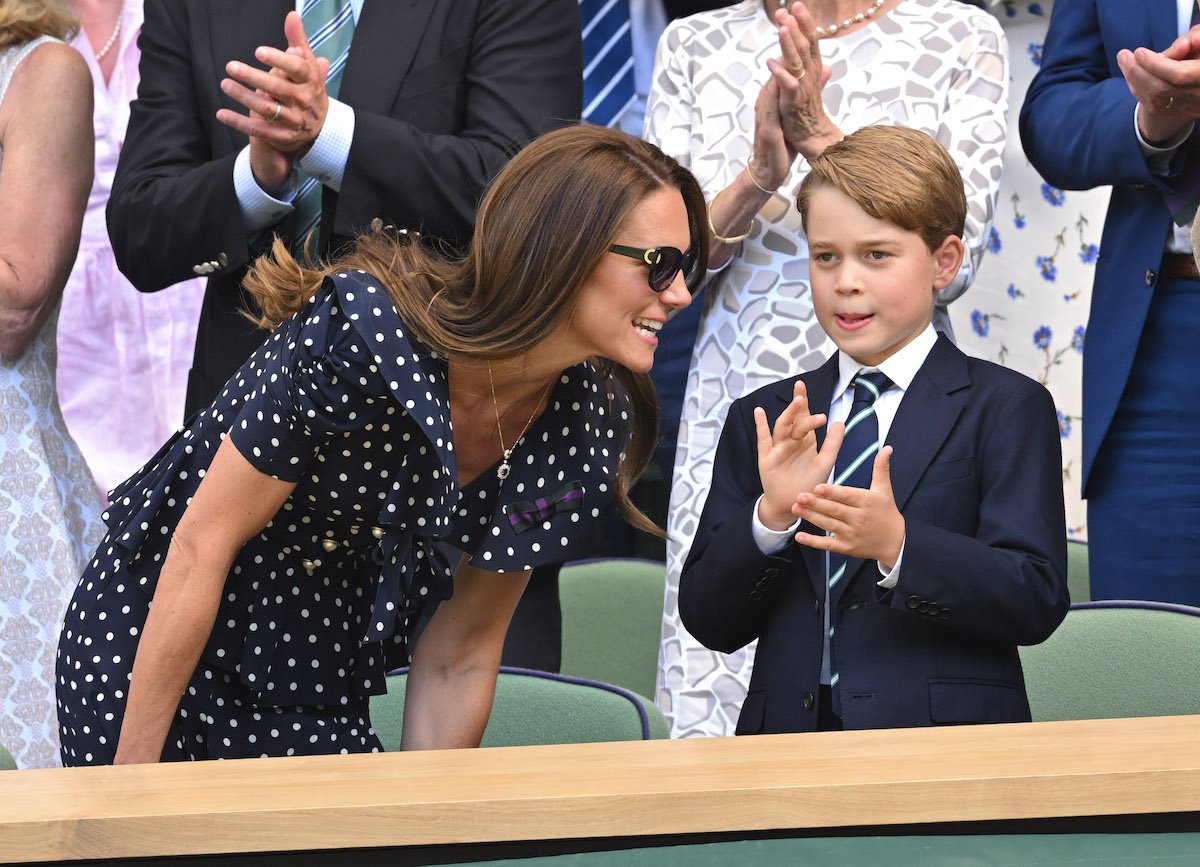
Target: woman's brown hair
<point>25,20</point>
<point>543,225</point>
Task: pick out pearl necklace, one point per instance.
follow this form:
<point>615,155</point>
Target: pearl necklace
<point>116,32</point>
<point>857,18</point>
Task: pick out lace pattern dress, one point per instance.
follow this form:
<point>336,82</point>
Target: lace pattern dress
<point>49,522</point>
<point>935,65</point>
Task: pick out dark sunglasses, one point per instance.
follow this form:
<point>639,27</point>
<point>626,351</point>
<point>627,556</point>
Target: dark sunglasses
<point>664,262</point>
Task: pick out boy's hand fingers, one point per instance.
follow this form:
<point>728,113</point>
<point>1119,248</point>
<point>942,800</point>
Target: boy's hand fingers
<point>881,473</point>
<point>763,433</point>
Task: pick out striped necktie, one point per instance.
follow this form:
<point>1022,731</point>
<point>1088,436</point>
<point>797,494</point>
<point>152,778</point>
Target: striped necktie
<point>330,28</point>
<point>607,60</point>
<point>855,462</point>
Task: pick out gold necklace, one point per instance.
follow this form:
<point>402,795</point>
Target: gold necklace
<point>505,467</point>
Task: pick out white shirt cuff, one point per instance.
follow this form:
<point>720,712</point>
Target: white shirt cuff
<point>771,541</point>
<point>1158,157</point>
<point>326,159</point>
<point>889,579</point>
<point>259,209</point>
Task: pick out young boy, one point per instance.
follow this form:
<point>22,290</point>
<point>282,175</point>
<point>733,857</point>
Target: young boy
<point>886,586</point>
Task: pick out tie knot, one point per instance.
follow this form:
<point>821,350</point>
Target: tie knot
<point>868,386</point>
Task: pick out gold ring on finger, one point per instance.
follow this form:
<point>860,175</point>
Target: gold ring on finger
<point>798,72</point>
<point>278,111</point>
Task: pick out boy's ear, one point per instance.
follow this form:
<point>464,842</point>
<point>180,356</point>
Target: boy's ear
<point>948,258</point>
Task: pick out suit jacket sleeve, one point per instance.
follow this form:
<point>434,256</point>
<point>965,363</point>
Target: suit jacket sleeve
<point>525,77</point>
<point>1077,122</point>
<point>173,204</point>
<point>728,585</point>
<point>1006,583</point>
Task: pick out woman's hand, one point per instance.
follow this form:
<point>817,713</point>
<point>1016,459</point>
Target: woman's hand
<point>801,76</point>
<point>773,155</point>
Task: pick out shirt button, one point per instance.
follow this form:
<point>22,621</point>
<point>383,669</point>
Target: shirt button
<point>1149,277</point>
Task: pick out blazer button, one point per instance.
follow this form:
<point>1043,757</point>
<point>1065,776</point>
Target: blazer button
<point>756,594</point>
<point>377,532</point>
<point>222,259</point>
<point>377,225</point>
<point>771,573</point>
<point>1137,186</point>
<point>923,608</point>
<point>944,614</point>
<point>817,605</point>
<point>912,602</point>
<point>1149,277</point>
<point>934,609</point>
<point>808,701</point>
<point>329,545</point>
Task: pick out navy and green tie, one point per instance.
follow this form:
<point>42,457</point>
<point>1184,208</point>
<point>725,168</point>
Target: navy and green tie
<point>853,468</point>
<point>329,25</point>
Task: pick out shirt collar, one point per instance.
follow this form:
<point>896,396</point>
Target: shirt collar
<point>901,367</point>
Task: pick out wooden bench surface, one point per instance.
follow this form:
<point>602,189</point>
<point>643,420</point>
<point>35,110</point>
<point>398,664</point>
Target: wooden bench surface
<point>843,779</point>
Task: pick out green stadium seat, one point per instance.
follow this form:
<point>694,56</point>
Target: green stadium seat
<point>612,621</point>
<point>1117,659</point>
<point>534,707</point>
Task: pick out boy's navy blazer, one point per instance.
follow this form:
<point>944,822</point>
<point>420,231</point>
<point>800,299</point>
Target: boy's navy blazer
<point>976,472</point>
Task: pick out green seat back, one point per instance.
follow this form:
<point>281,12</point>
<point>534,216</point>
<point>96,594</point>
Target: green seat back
<point>612,621</point>
<point>7,762</point>
<point>533,707</point>
<point>1117,659</point>
<point>1077,571</point>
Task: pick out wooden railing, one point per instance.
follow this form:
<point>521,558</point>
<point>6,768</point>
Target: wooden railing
<point>880,778</point>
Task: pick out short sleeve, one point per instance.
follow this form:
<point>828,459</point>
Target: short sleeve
<point>315,379</point>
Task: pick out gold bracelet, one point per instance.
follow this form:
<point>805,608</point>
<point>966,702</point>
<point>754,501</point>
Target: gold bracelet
<point>758,186</point>
<point>732,239</point>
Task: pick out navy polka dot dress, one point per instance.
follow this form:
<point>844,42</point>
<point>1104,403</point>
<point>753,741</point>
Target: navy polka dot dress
<point>341,401</point>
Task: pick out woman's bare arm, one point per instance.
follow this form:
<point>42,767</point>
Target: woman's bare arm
<point>45,177</point>
<point>232,503</point>
<point>453,675</point>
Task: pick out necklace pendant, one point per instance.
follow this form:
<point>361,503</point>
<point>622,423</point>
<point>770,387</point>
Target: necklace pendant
<point>505,468</point>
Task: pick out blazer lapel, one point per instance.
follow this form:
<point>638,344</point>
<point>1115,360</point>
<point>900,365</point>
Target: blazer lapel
<point>385,42</point>
<point>235,29</point>
<point>926,416</point>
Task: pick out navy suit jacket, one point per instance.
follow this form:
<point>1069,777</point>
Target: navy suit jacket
<point>443,93</point>
<point>976,473</point>
<point>1077,128</point>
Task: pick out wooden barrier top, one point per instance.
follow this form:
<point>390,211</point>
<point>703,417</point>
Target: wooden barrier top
<point>840,779</point>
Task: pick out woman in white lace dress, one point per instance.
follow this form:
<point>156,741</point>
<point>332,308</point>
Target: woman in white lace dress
<point>49,509</point>
<point>739,82</point>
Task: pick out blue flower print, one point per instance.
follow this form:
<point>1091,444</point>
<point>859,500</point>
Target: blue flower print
<point>1019,221</point>
<point>1088,253</point>
<point>1041,337</point>
<point>1064,424</point>
<point>1013,292</point>
<point>993,243</point>
<point>980,322</point>
<point>1077,339</point>
<point>1047,267</point>
<point>1036,9</point>
<point>1035,53</point>
<point>1053,195</point>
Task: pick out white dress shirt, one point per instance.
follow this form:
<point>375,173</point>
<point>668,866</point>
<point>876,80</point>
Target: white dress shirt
<point>325,161</point>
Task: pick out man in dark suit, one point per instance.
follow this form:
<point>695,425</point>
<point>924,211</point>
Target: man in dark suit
<point>434,98</point>
<point>900,603</point>
<point>1115,103</point>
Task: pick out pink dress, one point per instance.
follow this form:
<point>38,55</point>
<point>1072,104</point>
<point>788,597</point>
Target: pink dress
<point>123,356</point>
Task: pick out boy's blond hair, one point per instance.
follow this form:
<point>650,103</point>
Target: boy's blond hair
<point>899,175</point>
